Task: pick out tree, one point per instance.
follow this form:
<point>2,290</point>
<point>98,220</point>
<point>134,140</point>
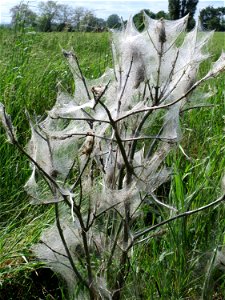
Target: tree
<point>65,13</point>
<point>139,18</point>
<point>213,18</point>
<point>64,17</point>
<point>174,9</point>
<point>85,20</point>
<point>49,12</point>
<point>64,26</point>
<point>180,8</point>
<point>113,21</point>
<point>78,15</point>
<point>161,14</point>
<point>101,24</point>
<point>89,22</point>
<point>22,15</point>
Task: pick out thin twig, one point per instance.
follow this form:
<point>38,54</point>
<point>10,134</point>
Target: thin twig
<point>124,87</point>
<point>185,214</point>
<point>157,87</point>
<point>170,75</point>
<point>80,71</point>
<point>118,139</point>
<point>154,142</point>
<point>77,273</point>
<point>165,106</point>
<point>136,134</point>
<point>82,134</point>
<point>197,106</point>
<point>80,175</point>
<point>54,251</point>
<point>150,90</point>
<point>96,216</point>
<point>161,203</point>
<point>87,252</point>
<point>149,137</point>
<point>114,61</point>
<point>156,234</point>
<point>101,95</point>
<point>109,263</point>
<point>81,119</point>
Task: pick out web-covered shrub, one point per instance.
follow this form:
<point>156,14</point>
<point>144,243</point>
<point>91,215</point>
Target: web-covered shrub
<point>102,151</point>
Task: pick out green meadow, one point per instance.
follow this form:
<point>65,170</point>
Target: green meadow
<point>179,263</point>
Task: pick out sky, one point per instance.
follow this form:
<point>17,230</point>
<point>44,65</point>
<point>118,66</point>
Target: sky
<point>102,9</point>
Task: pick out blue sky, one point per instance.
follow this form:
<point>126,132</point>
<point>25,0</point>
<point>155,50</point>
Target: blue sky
<point>102,9</point>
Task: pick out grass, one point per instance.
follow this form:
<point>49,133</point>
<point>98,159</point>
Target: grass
<point>174,265</point>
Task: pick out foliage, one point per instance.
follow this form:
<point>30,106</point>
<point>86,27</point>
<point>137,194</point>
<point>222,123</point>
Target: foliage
<point>139,18</point>
<point>213,18</point>
<point>61,17</point>
<point>85,20</point>
<point>180,8</point>
<point>113,21</point>
<point>78,15</point>
<point>32,67</point>
<point>56,17</point>
<point>49,12</point>
<point>23,16</point>
<point>161,14</point>
<point>90,23</point>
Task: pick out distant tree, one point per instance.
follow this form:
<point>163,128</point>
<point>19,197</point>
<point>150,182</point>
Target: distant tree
<point>22,15</point>
<point>161,14</point>
<point>174,9</point>
<point>64,26</point>
<point>65,13</point>
<point>113,21</point>
<point>49,13</point>
<point>213,18</point>
<point>85,20</point>
<point>77,17</point>
<point>180,8</point>
<point>101,24</point>
<point>139,19</point>
<point>64,18</point>
<point>89,22</point>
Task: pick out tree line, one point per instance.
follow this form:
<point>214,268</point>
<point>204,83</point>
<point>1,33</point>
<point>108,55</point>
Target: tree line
<point>213,18</point>
<point>51,16</point>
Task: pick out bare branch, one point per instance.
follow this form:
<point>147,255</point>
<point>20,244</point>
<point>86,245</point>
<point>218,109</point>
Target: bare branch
<point>81,119</point>
<point>77,273</point>
<point>165,106</point>
<point>124,87</point>
<point>118,138</point>
<point>161,203</point>
<point>81,134</point>
<point>68,54</point>
<point>154,235</point>
<point>196,107</point>
<point>54,251</point>
<point>185,214</point>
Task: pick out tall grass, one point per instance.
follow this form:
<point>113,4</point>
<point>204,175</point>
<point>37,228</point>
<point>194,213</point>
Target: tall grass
<point>31,67</point>
<point>174,264</point>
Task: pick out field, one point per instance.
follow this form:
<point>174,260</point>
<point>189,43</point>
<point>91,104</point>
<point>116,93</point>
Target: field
<point>177,265</point>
